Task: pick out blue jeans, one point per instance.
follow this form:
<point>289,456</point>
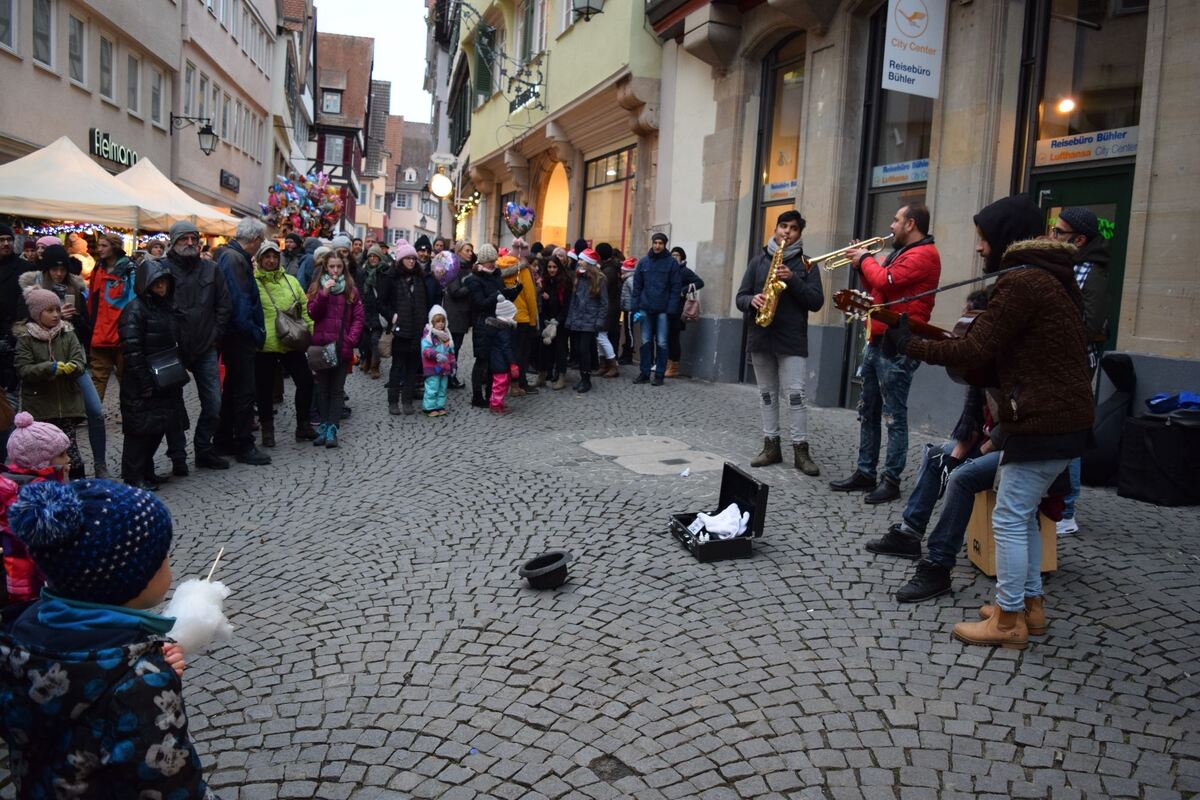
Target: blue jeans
<point>1015,526</point>
<point>972,476</point>
<point>97,435</point>
<point>208,385</point>
<point>929,483</point>
<point>885,383</point>
<point>1073,495</point>
<point>654,334</point>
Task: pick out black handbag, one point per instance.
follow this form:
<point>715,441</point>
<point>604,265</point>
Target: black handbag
<point>325,356</point>
<point>167,370</point>
<point>1160,459</point>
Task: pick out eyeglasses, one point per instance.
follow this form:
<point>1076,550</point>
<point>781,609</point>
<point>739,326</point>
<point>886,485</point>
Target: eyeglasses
<point>1057,231</point>
<point>8,239</point>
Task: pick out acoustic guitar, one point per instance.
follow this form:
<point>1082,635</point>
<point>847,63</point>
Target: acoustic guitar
<point>857,305</point>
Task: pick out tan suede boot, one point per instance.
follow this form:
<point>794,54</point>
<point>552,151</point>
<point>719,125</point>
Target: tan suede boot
<point>559,383</point>
<point>1035,615</point>
<point>541,380</point>
<point>1006,629</point>
<point>610,369</point>
<point>672,370</point>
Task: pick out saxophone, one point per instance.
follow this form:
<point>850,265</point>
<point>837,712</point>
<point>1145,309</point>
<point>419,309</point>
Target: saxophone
<point>771,290</point>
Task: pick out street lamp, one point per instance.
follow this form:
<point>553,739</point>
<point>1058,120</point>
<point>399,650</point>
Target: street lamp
<point>440,184</point>
<point>587,8</point>
<point>206,134</point>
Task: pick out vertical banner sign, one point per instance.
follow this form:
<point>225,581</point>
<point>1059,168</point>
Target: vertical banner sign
<point>912,51</point>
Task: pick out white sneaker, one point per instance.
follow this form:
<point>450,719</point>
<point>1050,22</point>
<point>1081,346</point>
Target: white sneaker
<point>1066,526</point>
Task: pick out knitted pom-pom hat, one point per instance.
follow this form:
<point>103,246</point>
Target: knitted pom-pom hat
<point>33,445</point>
<point>96,541</point>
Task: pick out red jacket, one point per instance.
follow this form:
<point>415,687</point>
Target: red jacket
<point>22,577</point>
<point>912,269</point>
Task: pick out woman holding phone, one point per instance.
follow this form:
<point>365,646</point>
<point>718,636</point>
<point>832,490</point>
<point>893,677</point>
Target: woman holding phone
<point>59,272</point>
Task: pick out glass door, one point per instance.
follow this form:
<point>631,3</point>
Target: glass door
<point>1107,193</point>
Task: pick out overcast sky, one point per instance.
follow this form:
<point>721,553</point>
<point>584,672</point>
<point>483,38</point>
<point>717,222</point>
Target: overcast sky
<point>398,27</point>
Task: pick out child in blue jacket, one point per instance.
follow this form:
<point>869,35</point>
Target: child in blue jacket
<point>437,362</point>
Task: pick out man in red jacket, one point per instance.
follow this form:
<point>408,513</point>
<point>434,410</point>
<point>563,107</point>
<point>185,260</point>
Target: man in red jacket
<point>912,268</point>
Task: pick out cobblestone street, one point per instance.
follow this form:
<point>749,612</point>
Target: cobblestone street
<point>386,648</point>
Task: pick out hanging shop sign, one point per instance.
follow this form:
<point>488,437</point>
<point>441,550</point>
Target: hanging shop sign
<point>1094,146</point>
<point>912,50</point>
<point>101,145</point>
<point>900,172</point>
<point>230,181</point>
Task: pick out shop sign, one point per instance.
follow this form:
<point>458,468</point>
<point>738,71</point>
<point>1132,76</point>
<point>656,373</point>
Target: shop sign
<point>1115,143</point>
<point>900,172</point>
<point>780,190</point>
<point>100,144</point>
<point>230,181</point>
<point>912,51</point>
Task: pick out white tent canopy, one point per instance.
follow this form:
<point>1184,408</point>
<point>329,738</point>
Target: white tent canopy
<point>61,182</point>
<point>157,191</point>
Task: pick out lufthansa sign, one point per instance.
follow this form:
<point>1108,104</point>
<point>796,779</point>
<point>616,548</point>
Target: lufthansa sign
<point>912,52</point>
<point>101,144</point>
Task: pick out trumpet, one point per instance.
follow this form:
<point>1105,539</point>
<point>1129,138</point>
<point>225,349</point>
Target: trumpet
<point>838,258</point>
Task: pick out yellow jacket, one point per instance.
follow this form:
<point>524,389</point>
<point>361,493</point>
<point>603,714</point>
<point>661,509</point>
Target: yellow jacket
<point>526,302</point>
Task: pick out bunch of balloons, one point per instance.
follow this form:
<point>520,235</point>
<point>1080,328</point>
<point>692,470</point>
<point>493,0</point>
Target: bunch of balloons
<point>306,205</point>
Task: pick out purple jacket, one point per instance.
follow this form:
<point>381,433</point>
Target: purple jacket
<point>327,311</point>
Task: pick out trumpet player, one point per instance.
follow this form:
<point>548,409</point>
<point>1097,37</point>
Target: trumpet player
<point>779,351</point>
<point>914,266</point>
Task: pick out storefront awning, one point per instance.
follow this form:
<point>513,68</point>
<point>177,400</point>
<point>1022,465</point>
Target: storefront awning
<point>157,191</point>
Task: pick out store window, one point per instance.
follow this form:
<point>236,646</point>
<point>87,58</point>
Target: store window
<point>608,198</point>
<point>779,134</point>
<point>1091,83</point>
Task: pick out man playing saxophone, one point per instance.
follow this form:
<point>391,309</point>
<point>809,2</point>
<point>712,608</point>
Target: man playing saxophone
<point>779,351</point>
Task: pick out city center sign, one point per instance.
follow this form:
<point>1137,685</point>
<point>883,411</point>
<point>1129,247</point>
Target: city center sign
<point>100,144</point>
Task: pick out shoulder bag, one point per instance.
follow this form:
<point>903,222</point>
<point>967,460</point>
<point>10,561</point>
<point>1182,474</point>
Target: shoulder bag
<point>166,369</point>
<point>691,306</point>
<point>293,334</point>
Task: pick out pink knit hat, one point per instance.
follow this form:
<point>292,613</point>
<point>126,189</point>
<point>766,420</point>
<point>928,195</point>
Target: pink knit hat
<point>33,445</point>
<point>404,250</point>
<point>38,300</point>
<point>46,241</point>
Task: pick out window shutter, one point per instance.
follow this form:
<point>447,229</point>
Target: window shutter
<point>485,43</point>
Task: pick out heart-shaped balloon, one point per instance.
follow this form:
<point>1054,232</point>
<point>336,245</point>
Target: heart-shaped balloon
<point>518,218</point>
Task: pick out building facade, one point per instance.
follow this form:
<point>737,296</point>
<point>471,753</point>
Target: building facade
<point>344,71</point>
<point>86,70</point>
<point>224,77</point>
<point>292,90</point>
<point>440,45</point>
<point>767,106</point>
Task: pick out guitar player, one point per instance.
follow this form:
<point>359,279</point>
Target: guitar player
<point>1034,334</point>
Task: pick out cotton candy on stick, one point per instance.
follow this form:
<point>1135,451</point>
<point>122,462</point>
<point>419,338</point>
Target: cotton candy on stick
<point>198,609</point>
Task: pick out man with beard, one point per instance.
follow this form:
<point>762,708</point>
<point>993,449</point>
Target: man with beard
<point>424,253</point>
<point>239,342</point>
<point>202,297</point>
<point>292,255</point>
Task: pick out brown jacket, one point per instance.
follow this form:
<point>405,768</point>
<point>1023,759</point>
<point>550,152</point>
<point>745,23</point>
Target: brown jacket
<point>1033,331</point>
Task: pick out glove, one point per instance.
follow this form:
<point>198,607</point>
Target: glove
<point>638,316</point>
<point>514,371</point>
<point>897,337</point>
<point>64,368</point>
<point>441,358</point>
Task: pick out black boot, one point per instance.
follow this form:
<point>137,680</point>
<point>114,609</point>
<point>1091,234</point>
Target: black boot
<point>857,482</point>
<point>896,542</point>
<point>268,433</point>
<point>585,383</point>
<point>884,492</point>
<point>929,581</point>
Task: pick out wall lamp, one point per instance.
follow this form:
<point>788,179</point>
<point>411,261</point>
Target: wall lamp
<point>206,134</point>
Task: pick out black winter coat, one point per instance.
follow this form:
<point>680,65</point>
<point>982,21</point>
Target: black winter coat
<point>203,298</point>
<point>403,303</point>
<point>149,325</point>
<point>558,302</point>
<point>612,283</point>
<point>370,296</point>
<point>788,334</point>
<point>457,302</point>
<point>483,288</point>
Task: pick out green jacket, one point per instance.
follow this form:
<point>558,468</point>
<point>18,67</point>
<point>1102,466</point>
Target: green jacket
<point>45,393</point>
<point>278,290</point>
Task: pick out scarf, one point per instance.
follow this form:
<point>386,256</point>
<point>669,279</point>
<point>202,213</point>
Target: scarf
<point>789,252</point>
<point>442,336</point>
<point>339,285</point>
<point>44,334</point>
<point>64,613</point>
<point>372,274</point>
<point>508,272</point>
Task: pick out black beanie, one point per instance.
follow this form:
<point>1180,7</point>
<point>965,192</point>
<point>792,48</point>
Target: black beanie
<point>1082,220</point>
<point>6,230</point>
<point>422,243</point>
<point>1008,220</point>
<point>681,251</point>
<point>604,250</point>
<point>295,237</point>
<point>536,248</point>
<point>54,256</point>
<point>659,236</point>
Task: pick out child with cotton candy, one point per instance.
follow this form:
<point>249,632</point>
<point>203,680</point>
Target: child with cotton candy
<point>94,697</point>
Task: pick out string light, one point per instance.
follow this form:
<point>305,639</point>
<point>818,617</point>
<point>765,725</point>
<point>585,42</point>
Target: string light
<point>68,227</point>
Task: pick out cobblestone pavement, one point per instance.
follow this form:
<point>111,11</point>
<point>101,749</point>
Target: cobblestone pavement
<point>386,647</point>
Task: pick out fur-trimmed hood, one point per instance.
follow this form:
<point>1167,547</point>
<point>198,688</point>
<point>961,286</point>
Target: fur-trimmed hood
<point>1053,256</point>
<point>34,278</point>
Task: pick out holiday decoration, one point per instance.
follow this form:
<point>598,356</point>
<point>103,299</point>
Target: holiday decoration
<point>445,267</point>
<point>308,205</point>
<point>518,218</point>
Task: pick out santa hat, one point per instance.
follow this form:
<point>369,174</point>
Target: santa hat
<point>589,256</point>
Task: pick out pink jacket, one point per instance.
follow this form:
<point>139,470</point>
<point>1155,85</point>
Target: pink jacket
<point>337,320</point>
